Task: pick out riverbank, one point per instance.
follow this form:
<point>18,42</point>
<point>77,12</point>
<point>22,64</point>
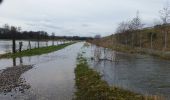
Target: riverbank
<point>36,51</point>
<point>90,86</point>
<point>135,50</point>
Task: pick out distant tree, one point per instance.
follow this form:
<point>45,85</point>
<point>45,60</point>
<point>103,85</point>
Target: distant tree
<point>97,36</point>
<point>122,31</point>
<point>165,13</point>
<point>129,32</point>
<point>165,17</point>
<point>135,25</point>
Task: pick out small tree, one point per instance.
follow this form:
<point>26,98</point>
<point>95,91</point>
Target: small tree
<point>165,17</point>
<point>135,25</point>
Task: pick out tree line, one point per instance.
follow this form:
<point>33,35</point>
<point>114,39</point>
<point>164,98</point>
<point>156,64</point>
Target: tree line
<point>14,33</point>
<point>6,32</point>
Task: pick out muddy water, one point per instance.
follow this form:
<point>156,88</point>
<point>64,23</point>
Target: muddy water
<point>52,77</point>
<point>142,74</point>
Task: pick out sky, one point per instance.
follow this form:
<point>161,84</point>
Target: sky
<point>77,17</point>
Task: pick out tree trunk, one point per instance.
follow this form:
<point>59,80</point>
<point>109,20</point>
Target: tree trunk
<point>13,43</point>
<point>140,41</point>
<point>14,61</point>
<point>165,46</point>
<point>151,40</point>
<point>20,46</point>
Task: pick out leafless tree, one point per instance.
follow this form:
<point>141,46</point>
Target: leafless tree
<point>165,14</point>
<point>122,28</point>
<point>165,17</point>
<point>130,30</point>
<point>135,25</point>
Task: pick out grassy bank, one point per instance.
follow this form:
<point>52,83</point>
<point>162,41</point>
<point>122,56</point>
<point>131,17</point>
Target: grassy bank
<point>90,86</point>
<point>36,51</point>
<point>108,43</point>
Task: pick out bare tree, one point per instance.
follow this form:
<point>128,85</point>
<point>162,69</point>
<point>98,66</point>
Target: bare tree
<point>135,25</point>
<point>165,17</point>
<point>123,28</point>
<point>165,13</point>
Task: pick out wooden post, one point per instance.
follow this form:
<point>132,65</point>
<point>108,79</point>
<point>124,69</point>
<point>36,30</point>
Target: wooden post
<point>13,30</point>
<point>20,46</point>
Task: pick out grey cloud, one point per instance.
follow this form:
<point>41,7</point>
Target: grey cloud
<point>80,17</point>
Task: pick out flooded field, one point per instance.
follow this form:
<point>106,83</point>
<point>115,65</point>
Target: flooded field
<point>6,45</point>
<point>52,77</point>
<point>142,74</point>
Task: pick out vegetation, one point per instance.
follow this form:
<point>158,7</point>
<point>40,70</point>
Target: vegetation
<point>6,32</point>
<point>36,51</point>
<point>90,86</point>
<point>132,37</point>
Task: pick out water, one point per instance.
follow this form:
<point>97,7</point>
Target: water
<point>52,77</point>
<point>6,45</point>
<point>142,74</point>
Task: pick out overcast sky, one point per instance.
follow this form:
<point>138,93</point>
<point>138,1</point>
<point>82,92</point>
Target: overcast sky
<point>77,17</point>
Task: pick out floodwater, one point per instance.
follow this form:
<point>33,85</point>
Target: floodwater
<point>6,45</point>
<point>52,77</point>
<point>146,75</point>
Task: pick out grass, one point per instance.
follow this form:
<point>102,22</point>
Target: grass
<point>108,43</point>
<point>90,86</point>
<point>36,51</point>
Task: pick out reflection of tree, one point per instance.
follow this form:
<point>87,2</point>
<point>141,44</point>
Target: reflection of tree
<point>14,61</point>
<point>21,61</point>
<point>97,53</point>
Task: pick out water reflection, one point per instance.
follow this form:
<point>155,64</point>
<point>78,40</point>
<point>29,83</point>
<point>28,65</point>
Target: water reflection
<point>6,45</point>
<point>21,61</point>
<point>142,74</point>
<point>52,77</point>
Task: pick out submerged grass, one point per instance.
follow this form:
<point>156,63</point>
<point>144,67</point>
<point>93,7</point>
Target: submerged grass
<point>36,51</point>
<point>90,86</point>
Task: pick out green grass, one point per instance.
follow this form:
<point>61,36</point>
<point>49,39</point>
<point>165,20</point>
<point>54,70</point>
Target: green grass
<point>90,86</point>
<point>36,51</point>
